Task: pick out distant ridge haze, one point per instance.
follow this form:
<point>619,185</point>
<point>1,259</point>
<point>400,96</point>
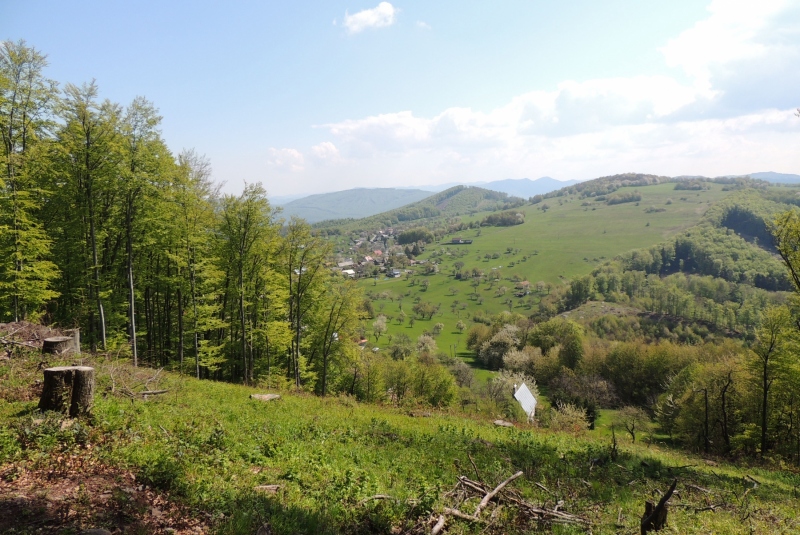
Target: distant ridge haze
<point>364,202</point>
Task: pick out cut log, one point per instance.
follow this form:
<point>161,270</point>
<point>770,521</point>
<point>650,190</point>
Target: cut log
<point>265,397</point>
<point>68,389</point>
<point>58,345</point>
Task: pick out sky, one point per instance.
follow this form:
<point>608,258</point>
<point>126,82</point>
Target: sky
<point>315,96</point>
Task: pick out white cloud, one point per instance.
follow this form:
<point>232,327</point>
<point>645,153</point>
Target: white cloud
<point>378,17</point>
<point>574,107</point>
<point>729,111</point>
<point>423,25</point>
<point>326,151</point>
<point>286,159</point>
<point>730,34</point>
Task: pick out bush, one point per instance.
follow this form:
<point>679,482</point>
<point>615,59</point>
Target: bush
<point>568,418</point>
<point>503,219</point>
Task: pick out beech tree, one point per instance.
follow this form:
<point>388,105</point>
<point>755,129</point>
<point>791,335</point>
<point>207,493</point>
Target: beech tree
<point>246,237</point>
<point>88,161</point>
<point>771,352</point>
<point>27,99</point>
<point>302,256</point>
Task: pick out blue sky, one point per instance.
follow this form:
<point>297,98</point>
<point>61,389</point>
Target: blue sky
<point>320,96</point>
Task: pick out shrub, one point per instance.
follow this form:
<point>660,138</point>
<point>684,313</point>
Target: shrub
<point>568,418</point>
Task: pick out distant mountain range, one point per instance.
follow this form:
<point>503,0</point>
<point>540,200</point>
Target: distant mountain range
<point>778,178</point>
<point>355,203</point>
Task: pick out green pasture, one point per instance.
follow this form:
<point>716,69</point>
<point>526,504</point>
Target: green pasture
<point>567,240</point>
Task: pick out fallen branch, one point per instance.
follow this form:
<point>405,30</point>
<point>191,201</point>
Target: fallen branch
<point>505,495</point>
<point>699,489</point>
<point>151,392</point>
<point>463,516</point>
<point>712,508</point>
<point>474,467</point>
<point>8,342</point>
<point>376,497</point>
<point>751,478</point>
<point>486,499</point>
<point>439,526</point>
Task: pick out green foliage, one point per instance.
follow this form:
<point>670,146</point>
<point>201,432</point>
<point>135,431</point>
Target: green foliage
<point>619,198</point>
<point>564,334</point>
<point>419,234</point>
<point>503,219</point>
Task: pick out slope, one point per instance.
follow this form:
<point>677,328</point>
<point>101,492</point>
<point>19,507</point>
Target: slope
<point>455,201</point>
<point>562,238</point>
<point>305,464</point>
<point>352,203</point>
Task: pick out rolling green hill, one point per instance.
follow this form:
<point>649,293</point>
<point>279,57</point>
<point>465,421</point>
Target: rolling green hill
<point>562,238</point>
<point>455,201</point>
<point>352,203</point>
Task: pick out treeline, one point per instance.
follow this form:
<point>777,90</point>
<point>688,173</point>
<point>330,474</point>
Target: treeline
<point>603,186</point>
<point>716,302</point>
<point>730,398</point>
<point>419,234</point>
<point>105,229</point>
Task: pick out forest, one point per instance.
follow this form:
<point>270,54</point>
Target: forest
<point>102,227</point>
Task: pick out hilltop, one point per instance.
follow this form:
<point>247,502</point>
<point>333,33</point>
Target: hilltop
<point>452,202</point>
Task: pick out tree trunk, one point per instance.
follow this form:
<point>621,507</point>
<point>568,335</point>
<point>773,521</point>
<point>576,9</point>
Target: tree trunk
<point>194,328</point>
<point>68,389</point>
<point>764,412</point>
<point>180,328</point>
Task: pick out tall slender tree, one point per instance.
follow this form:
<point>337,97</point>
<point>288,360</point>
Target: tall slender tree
<point>247,237</point>
<point>27,99</point>
<point>303,256</point>
<point>89,144</point>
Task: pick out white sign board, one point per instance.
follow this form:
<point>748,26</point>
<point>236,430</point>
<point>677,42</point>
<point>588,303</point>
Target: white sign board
<point>526,400</point>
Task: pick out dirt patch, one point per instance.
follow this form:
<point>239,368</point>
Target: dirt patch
<point>29,333</point>
<point>77,493</point>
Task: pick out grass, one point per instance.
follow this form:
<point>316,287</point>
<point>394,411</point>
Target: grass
<point>566,241</point>
<point>207,445</point>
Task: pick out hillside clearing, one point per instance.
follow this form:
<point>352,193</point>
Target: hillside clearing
<point>202,449</point>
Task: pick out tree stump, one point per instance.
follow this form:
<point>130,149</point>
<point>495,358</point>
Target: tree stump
<point>59,345</point>
<point>68,389</point>
<point>655,517</point>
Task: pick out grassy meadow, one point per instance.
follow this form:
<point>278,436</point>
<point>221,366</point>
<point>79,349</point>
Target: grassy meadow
<point>346,467</point>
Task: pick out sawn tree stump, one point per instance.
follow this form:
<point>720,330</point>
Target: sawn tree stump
<point>60,345</point>
<point>68,389</point>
